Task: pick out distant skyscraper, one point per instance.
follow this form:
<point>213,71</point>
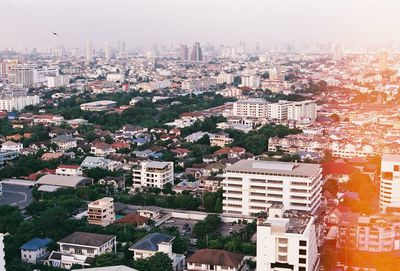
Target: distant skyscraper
<point>21,74</point>
<point>89,51</point>
<point>338,53</point>
<point>123,46</point>
<point>184,53</point>
<point>197,54</point>
<point>107,51</point>
<point>383,61</point>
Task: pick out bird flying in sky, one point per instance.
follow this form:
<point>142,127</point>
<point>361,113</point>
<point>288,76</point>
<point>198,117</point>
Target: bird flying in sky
<point>55,34</point>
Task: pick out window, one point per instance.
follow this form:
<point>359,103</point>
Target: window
<point>302,252</point>
<point>396,168</point>
<point>302,260</point>
<point>302,269</point>
<point>78,251</point>
<point>303,243</point>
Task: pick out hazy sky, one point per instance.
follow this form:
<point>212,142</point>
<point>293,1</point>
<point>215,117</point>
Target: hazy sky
<point>143,22</point>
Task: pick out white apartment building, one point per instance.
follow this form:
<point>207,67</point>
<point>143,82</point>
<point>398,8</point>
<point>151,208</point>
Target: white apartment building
<point>350,150</point>
<point>224,77</point>
<point>252,186</point>
<point>11,146</point>
<point>101,212</point>
<point>302,110</point>
<point>377,233</point>
<point>390,183</point>
<point>153,174</point>
<point>251,81</point>
<point>278,111</point>
<point>17,101</point>
<point>21,74</point>
<point>116,77</point>
<point>98,106</point>
<point>58,81</point>
<point>69,170</point>
<point>287,242</point>
<point>250,108</point>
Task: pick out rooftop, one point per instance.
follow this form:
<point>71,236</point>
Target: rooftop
<point>272,167</point>
<point>216,257</point>
<point>36,243</point>
<point>87,239</point>
<point>150,242</point>
<point>387,157</point>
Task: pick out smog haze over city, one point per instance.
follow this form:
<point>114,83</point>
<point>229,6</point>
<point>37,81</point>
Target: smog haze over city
<point>142,23</point>
<point>199,135</point>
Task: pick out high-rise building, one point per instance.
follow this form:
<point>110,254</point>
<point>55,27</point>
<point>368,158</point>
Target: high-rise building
<point>107,51</point>
<point>252,186</point>
<point>338,52</point>
<point>302,110</point>
<point>17,100</point>
<point>250,108</point>
<point>89,51</point>
<point>184,53</point>
<point>197,54</point>
<point>22,74</point>
<point>390,183</point>
<point>287,240</point>
<point>383,61</point>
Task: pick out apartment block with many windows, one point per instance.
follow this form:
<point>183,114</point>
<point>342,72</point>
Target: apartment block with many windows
<point>390,183</point>
<point>153,174</point>
<point>252,186</point>
<point>101,212</point>
<point>287,241</point>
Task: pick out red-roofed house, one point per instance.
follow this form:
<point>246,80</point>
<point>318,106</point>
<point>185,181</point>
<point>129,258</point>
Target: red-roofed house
<point>339,171</point>
<point>231,152</point>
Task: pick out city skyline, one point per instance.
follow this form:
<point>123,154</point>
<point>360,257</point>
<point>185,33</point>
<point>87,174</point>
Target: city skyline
<point>142,23</point>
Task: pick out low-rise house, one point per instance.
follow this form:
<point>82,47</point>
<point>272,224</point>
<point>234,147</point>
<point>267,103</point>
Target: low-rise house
<point>80,248</point>
<point>231,152</point>
<point>215,260</point>
<point>110,268</point>
<point>133,219</point>
<point>102,149</point>
<point>51,156</point>
<point>12,146</point>
<point>69,170</point>
<point>99,106</point>
<point>196,136</point>
<point>64,142</point>
<point>48,119</point>
<point>115,182</point>
<point>34,250</point>
<point>101,212</point>
<point>131,130</point>
<point>220,139</point>
<point>157,242</point>
<point>99,162</point>
<point>52,182</point>
<point>180,152</point>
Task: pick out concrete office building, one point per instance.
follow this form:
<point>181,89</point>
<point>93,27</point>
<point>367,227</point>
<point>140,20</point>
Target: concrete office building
<point>252,186</point>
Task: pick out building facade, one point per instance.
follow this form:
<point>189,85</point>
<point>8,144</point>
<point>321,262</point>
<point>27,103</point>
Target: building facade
<point>153,174</point>
<point>252,186</point>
